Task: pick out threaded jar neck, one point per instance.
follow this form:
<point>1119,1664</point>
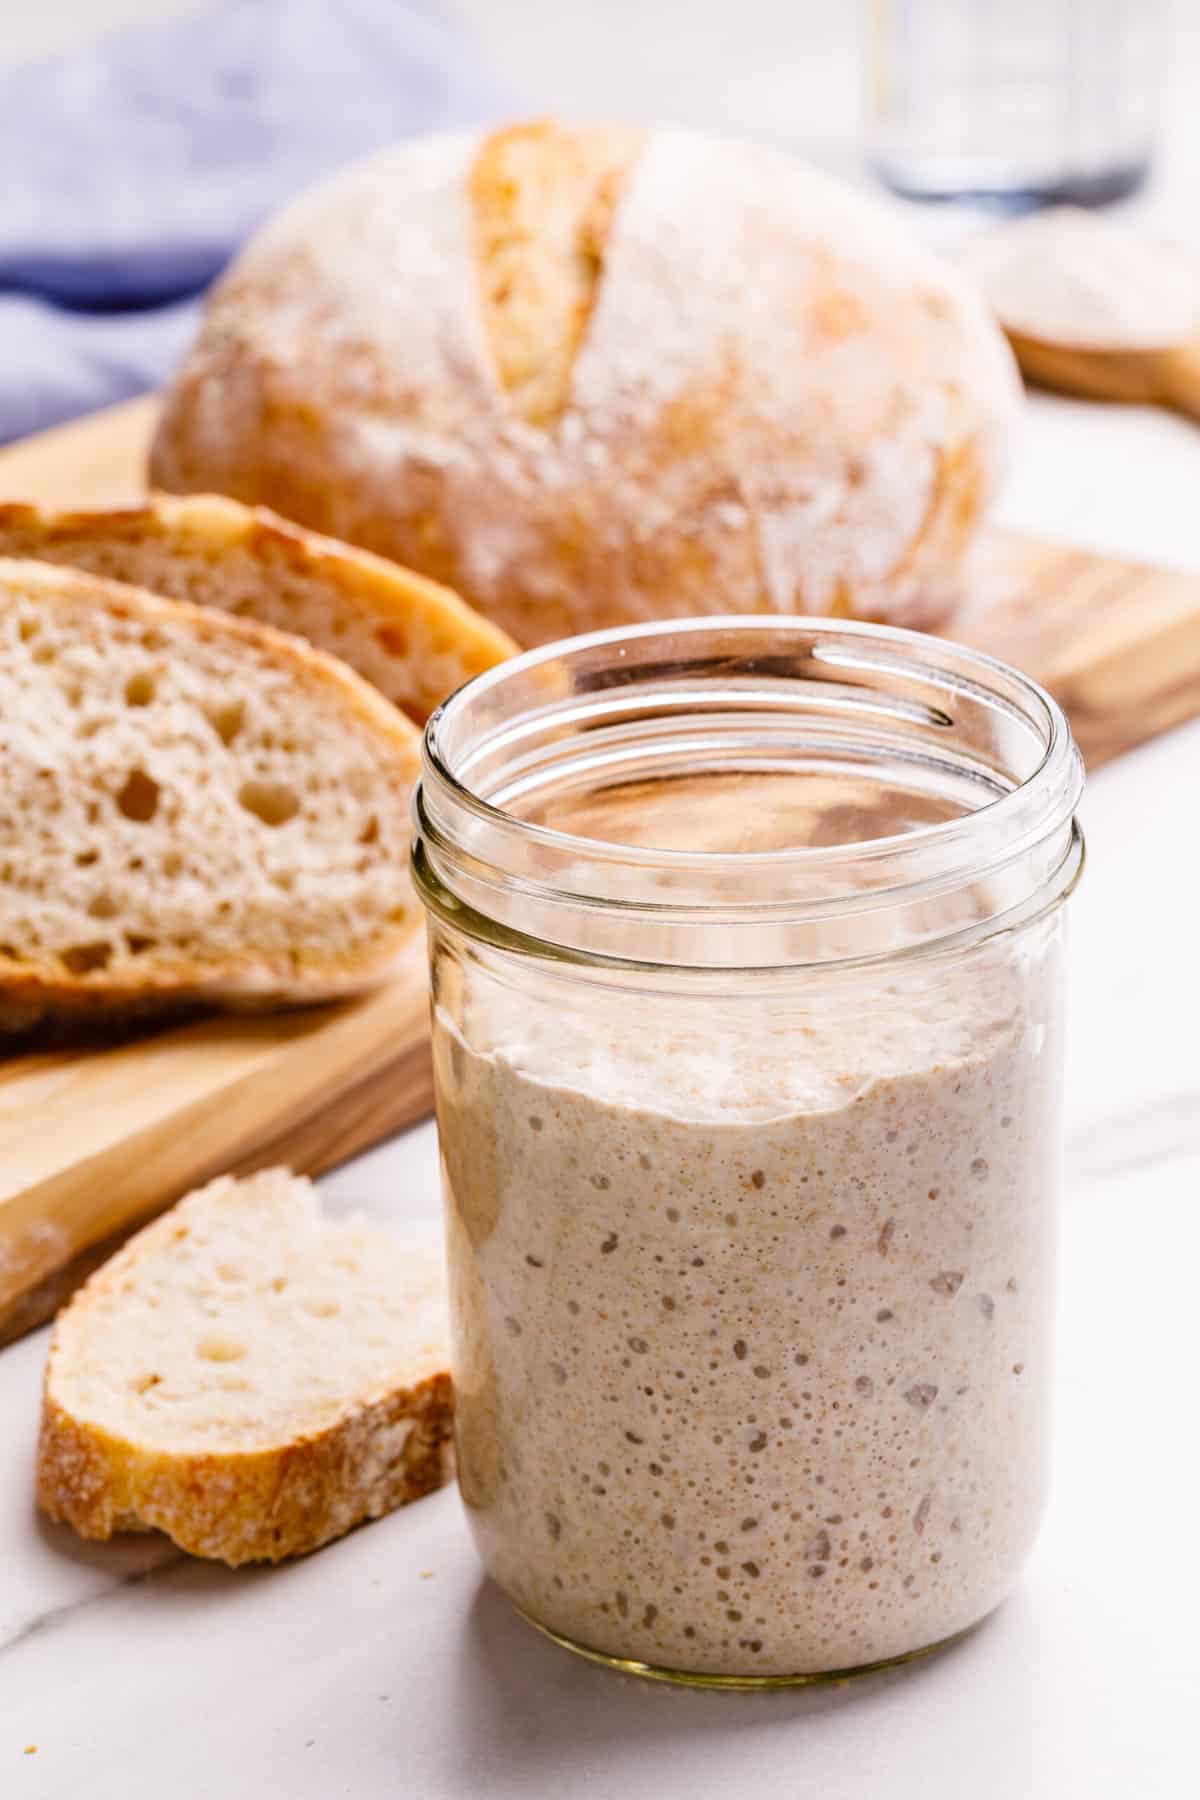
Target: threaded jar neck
<point>747,793</point>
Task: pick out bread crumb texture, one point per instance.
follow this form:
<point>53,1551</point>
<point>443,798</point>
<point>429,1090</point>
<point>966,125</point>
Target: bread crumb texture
<point>589,377</point>
<point>189,805</point>
<point>411,638</point>
<point>249,1377</point>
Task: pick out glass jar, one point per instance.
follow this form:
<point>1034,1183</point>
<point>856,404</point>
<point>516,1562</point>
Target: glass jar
<point>746,941</point>
<point>1020,105</point>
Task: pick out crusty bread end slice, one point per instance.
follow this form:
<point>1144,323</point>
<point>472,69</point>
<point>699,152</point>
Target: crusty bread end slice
<point>411,638</point>
<point>248,1377</point>
<point>192,807</point>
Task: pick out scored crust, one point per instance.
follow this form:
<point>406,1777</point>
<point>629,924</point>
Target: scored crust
<point>757,393</point>
<point>412,638</point>
<point>543,200</point>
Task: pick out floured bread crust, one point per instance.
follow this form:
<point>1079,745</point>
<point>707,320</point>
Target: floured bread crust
<point>756,393</point>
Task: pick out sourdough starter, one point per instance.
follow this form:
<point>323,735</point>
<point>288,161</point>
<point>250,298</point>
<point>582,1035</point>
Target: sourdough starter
<point>752,1355</point>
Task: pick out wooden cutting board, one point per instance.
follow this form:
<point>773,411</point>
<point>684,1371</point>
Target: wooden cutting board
<point>94,1140</point>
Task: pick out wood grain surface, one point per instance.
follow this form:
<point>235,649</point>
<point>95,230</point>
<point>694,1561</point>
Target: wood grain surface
<point>1116,642</point>
<point>96,1139</point>
<point>93,1140</point>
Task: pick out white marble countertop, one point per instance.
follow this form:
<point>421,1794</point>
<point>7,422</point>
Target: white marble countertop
<point>383,1666</point>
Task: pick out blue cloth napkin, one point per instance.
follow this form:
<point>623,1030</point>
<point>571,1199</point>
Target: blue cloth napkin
<point>136,169</point>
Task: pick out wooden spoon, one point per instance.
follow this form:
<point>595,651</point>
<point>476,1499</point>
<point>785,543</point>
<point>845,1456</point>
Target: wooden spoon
<point>1092,308</point>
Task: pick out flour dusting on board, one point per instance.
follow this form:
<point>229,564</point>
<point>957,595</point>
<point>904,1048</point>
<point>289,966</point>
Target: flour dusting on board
<point>28,1254</point>
<point>1067,277</point>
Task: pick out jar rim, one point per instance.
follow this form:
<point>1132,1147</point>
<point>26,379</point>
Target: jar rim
<point>462,826</point>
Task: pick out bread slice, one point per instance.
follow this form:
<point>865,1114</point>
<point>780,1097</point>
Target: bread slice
<point>413,640</point>
<point>192,807</point>
<point>249,1377</point>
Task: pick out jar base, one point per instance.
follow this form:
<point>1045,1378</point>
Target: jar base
<point>926,184</point>
<point>624,1665</point>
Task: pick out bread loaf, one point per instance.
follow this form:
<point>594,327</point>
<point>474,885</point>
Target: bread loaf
<point>249,1377</point>
<point>410,638</point>
<point>594,375</point>
<point>192,807</point>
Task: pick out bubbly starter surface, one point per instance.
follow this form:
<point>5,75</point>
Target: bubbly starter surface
<point>752,1352</point>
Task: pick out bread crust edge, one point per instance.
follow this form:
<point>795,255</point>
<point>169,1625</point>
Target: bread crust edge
<point>248,1506</point>
<point>377,589</point>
